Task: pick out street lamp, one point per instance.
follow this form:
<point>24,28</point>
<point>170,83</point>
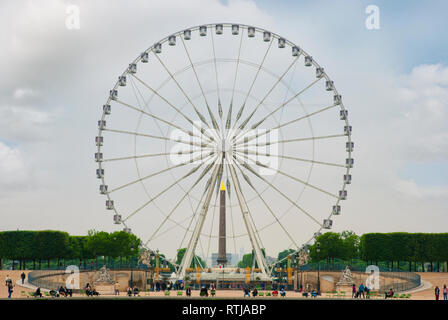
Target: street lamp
<point>318,267</point>
<point>151,268</point>
<point>132,274</point>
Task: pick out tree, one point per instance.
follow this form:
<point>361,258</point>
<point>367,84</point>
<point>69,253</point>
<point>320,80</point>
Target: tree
<point>194,262</point>
<point>248,260</point>
<point>331,247</point>
<point>282,255</point>
<point>351,244</point>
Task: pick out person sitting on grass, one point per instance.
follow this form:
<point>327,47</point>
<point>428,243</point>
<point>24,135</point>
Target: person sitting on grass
<point>54,293</point>
<point>282,292</point>
<point>94,292</point>
<point>204,292</point>
<point>255,292</point>
<point>37,293</point>
<point>389,294</point>
<point>88,289</point>
<point>68,292</point>
<point>62,291</point>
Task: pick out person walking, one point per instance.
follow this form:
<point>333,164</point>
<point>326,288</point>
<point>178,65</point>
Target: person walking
<point>246,292</point>
<point>7,280</point>
<point>117,288</point>
<point>437,292</point>
<point>361,290</point>
<point>23,276</point>
<point>367,291</point>
<point>353,291</point>
<point>10,289</point>
<point>445,292</point>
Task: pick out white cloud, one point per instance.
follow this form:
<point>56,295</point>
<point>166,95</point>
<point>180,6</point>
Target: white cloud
<point>414,192</point>
<point>13,169</point>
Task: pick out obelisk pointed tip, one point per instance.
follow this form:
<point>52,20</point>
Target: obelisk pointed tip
<point>223,186</point>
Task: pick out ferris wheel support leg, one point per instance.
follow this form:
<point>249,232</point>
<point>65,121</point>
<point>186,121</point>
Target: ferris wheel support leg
<point>245,211</point>
<point>191,248</point>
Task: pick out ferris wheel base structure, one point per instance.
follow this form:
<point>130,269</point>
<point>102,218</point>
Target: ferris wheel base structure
<point>228,274</point>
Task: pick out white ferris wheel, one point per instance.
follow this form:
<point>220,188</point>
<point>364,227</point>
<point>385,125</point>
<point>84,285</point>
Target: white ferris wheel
<point>224,107</point>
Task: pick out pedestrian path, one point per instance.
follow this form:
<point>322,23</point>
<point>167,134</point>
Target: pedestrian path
<point>424,285</point>
<point>28,285</point>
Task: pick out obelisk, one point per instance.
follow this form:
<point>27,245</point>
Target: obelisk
<point>222,255</point>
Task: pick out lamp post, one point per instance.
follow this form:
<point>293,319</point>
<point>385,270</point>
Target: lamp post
<point>318,267</point>
<point>151,268</point>
<point>132,274</point>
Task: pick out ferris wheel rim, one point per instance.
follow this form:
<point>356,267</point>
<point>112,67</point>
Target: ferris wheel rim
<point>179,33</point>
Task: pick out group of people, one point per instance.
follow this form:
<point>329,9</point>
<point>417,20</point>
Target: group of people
<point>363,290</point>
<point>91,291</point>
<point>163,286</point>
<point>305,293</point>
<point>132,291</point>
<point>247,292</point>
<point>63,291</point>
<point>437,292</point>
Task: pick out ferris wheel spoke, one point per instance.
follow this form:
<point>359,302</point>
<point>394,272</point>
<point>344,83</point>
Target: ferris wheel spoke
<point>286,103</point>
<point>205,171</point>
<point>289,158</point>
<point>163,191</point>
<point>212,118</point>
<point>217,81</point>
<point>292,140</point>
<point>246,178</point>
<point>244,123</point>
<point>240,111</point>
<point>191,248</point>
<point>192,143</point>
<point>204,121</point>
<point>211,226</point>
<point>190,133</point>
<point>202,130</point>
<point>257,230</point>
<point>251,170</point>
<point>245,212</point>
<point>151,155</point>
<point>258,163</point>
<point>192,217</point>
<point>231,211</point>
<point>283,124</point>
<point>160,172</point>
<point>229,114</point>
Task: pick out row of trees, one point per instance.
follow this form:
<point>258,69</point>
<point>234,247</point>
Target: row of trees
<point>413,248</point>
<point>38,246</point>
<point>397,250</point>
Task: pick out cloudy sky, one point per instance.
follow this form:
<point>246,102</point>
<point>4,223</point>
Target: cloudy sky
<point>394,81</point>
